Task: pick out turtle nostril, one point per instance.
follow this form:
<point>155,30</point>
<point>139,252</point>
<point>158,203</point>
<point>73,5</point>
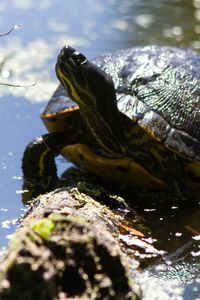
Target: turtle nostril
<point>67,51</point>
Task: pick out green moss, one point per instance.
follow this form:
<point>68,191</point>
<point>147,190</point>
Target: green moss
<point>89,189</point>
<point>55,218</point>
<point>78,220</point>
<point>43,228</point>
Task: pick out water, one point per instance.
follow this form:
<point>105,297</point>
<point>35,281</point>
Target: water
<point>28,56</point>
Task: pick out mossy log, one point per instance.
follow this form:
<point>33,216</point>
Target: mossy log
<point>67,247</point>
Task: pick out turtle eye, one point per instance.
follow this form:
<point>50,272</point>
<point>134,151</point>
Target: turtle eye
<point>79,58</point>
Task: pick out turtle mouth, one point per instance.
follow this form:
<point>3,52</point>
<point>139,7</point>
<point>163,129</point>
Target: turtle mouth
<point>69,58</point>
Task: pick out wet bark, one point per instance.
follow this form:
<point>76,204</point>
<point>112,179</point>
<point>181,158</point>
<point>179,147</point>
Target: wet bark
<point>68,247</point>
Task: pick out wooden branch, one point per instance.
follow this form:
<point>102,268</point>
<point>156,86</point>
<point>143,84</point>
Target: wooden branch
<point>67,248</point>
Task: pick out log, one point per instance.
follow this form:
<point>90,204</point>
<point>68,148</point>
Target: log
<point>71,245</point>
<point>68,247</point>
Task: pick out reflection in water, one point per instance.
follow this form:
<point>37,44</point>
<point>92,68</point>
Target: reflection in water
<point>29,55</point>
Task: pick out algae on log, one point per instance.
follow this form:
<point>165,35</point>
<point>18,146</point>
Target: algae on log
<point>67,248</point>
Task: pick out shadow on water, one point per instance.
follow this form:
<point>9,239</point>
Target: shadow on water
<point>93,27</point>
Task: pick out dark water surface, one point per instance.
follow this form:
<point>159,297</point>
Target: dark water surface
<point>28,55</point>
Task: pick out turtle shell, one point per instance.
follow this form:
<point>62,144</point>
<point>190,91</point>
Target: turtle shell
<point>159,87</point>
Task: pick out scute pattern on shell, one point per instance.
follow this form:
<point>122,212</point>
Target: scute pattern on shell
<point>160,83</point>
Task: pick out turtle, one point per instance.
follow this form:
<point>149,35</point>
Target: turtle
<point>130,117</point>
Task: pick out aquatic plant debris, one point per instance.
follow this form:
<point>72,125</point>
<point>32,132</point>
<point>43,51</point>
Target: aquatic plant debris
<point>12,29</point>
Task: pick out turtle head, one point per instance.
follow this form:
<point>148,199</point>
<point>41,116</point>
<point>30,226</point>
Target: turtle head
<point>93,90</point>
<point>85,83</point>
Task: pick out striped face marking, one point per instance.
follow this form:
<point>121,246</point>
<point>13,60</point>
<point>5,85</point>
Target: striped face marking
<point>70,85</point>
<point>71,69</point>
<point>92,90</point>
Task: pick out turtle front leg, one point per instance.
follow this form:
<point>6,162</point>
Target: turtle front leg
<point>38,164</point>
